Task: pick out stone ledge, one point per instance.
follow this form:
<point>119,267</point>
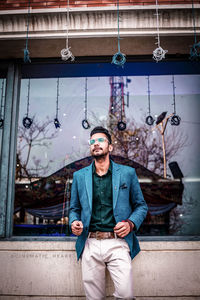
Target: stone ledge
<point>70,245</point>
<point>10,297</point>
<point>49,270</point>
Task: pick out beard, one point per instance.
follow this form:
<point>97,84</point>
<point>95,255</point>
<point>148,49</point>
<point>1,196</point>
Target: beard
<point>99,155</point>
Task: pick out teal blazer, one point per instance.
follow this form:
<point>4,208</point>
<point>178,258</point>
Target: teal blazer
<point>128,202</point>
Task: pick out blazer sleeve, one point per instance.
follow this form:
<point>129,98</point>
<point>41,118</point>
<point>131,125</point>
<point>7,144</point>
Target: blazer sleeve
<point>75,207</point>
<point>139,205</point>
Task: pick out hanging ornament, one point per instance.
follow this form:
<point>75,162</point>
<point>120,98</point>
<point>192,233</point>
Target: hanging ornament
<point>27,122</point>
<point>2,102</point>
<point>149,119</point>
<point>118,58</point>
<point>85,122</point>
<point>56,121</point>
<point>195,49</point>
<point>26,51</point>
<point>121,125</point>
<point>66,52</point>
<point>158,53</point>
<point>175,119</point>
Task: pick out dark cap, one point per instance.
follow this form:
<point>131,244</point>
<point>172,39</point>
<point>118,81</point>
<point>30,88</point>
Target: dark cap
<point>100,129</point>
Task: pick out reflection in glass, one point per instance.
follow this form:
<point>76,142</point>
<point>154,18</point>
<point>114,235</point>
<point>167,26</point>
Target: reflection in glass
<point>2,105</point>
<point>48,156</point>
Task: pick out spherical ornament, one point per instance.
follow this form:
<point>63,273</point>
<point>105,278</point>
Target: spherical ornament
<point>27,122</point>
<point>1,123</point>
<point>119,59</point>
<point>159,54</point>
<point>149,120</point>
<point>67,54</point>
<point>85,124</point>
<point>175,120</point>
<point>195,51</point>
<point>121,126</point>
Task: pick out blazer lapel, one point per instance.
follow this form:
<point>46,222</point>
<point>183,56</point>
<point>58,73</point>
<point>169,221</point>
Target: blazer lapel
<point>115,182</point>
<point>88,183</point>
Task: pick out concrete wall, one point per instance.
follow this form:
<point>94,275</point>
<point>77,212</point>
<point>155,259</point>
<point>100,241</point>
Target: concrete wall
<point>49,270</point>
<point>93,31</point>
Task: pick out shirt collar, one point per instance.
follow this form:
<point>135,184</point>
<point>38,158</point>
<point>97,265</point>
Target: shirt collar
<point>109,169</point>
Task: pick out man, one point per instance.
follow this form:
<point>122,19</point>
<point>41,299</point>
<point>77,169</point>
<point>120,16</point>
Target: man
<point>106,208</point>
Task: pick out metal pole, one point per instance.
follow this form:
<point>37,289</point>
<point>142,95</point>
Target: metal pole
<point>164,151</point>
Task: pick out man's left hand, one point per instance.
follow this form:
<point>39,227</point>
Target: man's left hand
<point>122,229</point>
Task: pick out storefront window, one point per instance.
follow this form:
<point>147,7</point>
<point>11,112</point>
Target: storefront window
<point>2,104</point>
<point>49,150</point>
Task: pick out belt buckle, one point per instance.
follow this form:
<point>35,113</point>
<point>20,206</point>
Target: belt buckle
<point>98,234</point>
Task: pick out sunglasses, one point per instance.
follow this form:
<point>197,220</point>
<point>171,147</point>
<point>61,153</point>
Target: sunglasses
<point>99,140</point>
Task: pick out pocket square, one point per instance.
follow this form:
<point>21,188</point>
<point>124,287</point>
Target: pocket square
<point>123,186</point>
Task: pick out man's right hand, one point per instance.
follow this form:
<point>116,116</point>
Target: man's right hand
<point>77,227</point>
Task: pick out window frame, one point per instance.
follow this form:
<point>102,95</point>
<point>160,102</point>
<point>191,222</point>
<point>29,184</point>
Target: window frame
<point>52,69</point>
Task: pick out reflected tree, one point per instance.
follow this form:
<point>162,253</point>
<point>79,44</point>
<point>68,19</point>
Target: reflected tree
<point>39,135</point>
<point>139,143</point>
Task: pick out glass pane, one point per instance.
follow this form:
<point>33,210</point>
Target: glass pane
<point>47,155</point>
<point>2,104</point>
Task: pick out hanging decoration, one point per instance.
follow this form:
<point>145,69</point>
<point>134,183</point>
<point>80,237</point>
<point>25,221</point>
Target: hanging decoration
<point>149,119</point>
<point>56,121</point>
<point>66,52</point>
<point>195,49</point>
<point>175,119</point>
<point>27,122</point>
<point>26,51</point>
<point>117,116</point>
<point>121,125</point>
<point>85,122</point>
<point>158,53</point>
<point>118,58</point>
<point>2,102</point>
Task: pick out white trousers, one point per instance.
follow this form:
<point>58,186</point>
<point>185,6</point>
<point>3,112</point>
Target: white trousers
<point>110,253</point>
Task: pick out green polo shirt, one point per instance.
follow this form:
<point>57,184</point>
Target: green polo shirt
<point>102,205</point>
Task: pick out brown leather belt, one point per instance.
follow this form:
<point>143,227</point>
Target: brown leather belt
<point>99,235</point>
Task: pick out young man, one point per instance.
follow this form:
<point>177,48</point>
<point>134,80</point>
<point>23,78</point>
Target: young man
<point>106,208</point>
